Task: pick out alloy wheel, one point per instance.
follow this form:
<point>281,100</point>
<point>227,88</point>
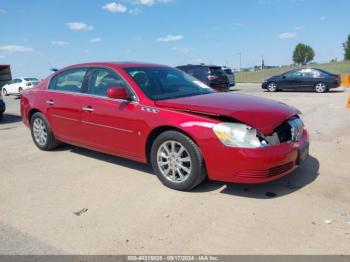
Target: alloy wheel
<point>320,88</point>
<point>40,132</point>
<point>272,87</point>
<point>174,161</point>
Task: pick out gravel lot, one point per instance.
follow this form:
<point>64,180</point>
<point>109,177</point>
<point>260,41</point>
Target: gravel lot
<point>128,211</point>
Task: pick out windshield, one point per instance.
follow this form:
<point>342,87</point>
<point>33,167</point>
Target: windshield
<point>216,71</point>
<point>159,83</point>
<point>228,71</point>
<point>31,79</point>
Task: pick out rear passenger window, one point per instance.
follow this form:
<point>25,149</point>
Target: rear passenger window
<point>69,81</point>
<point>102,79</point>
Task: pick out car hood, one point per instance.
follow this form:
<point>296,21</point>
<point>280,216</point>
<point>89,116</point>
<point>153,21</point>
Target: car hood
<point>263,114</point>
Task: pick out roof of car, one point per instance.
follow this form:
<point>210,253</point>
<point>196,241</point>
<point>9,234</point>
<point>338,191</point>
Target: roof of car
<point>120,64</point>
<point>203,65</point>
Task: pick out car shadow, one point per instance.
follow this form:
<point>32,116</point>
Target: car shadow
<point>107,158</point>
<point>340,90</point>
<point>299,178</point>
<point>9,118</point>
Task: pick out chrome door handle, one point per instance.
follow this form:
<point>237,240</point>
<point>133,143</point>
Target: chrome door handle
<point>50,102</point>
<point>88,109</point>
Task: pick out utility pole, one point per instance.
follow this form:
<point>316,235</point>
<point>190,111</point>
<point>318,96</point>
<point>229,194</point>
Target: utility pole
<point>262,68</point>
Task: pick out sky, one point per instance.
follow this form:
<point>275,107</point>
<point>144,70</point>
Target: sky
<point>36,35</point>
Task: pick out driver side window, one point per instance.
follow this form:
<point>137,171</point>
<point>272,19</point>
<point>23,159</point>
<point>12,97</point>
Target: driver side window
<point>295,73</point>
<point>102,79</point>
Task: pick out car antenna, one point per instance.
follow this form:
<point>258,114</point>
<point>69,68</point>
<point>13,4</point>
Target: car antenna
<point>54,69</point>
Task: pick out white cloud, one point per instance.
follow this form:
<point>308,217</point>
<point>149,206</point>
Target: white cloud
<point>79,26</point>
<point>149,2</point>
<point>115,7</point>
<point>95,40</point>
<point>135,11</point>
<point>144,2</point>
<point>3,11</point>
<point>170,38</point>
<point>287,35</point>
<point>60,43</point>
<point>16,48</point>
<point>323,18</point>
<point>183,49</point>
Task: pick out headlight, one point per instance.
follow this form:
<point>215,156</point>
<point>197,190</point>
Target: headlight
<point>237,135</point>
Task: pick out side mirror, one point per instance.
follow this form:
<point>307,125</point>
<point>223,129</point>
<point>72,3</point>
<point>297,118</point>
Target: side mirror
<point>117,93</point>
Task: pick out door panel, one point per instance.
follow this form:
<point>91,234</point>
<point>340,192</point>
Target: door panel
<point>63,102</point>
<point>112,126</point>
<point>287,82</point>
<point>64,115</point>
<point>291,80</point>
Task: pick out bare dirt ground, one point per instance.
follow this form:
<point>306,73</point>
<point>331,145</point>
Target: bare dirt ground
<point>128,211</point>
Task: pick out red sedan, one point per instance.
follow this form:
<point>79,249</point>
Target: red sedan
<point>160,115</point>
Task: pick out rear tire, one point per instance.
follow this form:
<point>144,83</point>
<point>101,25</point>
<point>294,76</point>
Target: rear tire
<point>1,116</point>
<point>321,88</point>
<point>177,161</point>
<point>4,92</point>
<point>272,87</point>
<point>42,134</point>
<point>20,90</point>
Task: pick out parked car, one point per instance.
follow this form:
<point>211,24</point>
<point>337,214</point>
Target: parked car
<point>307,79</point>
<point>17,85</point>
<point>2,107</point>
<point>212,76</point>
<point>5,75</point>
<point>160,115</point>
<point>230,74</point>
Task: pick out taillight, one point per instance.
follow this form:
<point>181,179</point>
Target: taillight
<point>212,77</point>
<point>336,78</point>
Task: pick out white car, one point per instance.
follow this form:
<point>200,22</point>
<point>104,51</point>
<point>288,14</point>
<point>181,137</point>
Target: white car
<point>17,85</point>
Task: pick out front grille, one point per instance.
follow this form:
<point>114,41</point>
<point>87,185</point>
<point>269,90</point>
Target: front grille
<point>288,131</point>
<point>275,171</point>
<point>281,169</point>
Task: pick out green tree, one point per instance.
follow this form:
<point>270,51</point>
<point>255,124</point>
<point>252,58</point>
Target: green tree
<point>346,46</point>
<point>303,54</point>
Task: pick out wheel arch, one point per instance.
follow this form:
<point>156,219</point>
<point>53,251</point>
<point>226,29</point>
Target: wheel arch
<point>156,132</point>
<point>32,112</point>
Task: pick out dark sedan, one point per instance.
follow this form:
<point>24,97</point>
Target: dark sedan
<point>307,79</point>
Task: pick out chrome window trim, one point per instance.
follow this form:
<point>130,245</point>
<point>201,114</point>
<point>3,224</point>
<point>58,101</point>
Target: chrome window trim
<point>135,101</point>
<point>93,96</point>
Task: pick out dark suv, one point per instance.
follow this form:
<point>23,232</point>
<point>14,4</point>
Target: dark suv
<point>2,105</point>
<point>211,75</point>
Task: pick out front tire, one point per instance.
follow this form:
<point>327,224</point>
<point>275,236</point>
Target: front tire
<point>177,161</point>
<point>4,92</point>
<point>272,87</point>
<point>42,134</point>
<point>321,87</point>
